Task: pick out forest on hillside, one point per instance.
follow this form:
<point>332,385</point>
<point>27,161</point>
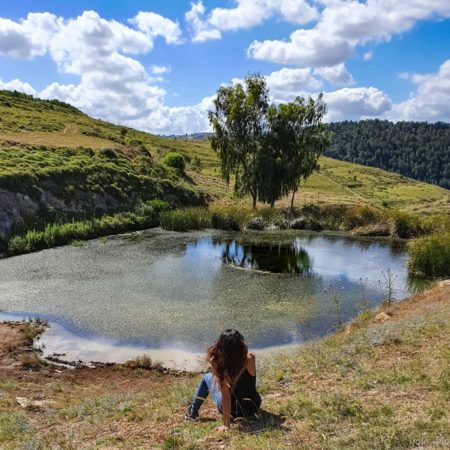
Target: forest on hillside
<point>418,150</point>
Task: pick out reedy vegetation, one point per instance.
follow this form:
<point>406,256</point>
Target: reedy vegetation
<point>362,220</point>
<point>146,215</point>
<point>430,255</point>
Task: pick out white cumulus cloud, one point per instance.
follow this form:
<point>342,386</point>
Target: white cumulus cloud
<point>29,37</point>
<point>159,70</point>
<point>246,14</point>
<point>430,101</point>
<point>201,29</point>
<point>154,25</point>
<point>309,47</point>
<point>287,83</point>
<point>356,103</point>
<point>18,85</point>
<point>335,75</point>
<point>344,24</point>
<point>113,84</point>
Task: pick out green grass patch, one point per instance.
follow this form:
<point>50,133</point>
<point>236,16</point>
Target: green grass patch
<point>13,425</point>
<point>430,255</point>
<point>54,234</point>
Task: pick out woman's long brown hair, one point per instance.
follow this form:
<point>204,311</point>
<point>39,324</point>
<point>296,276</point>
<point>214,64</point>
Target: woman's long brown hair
<point>227,356</point>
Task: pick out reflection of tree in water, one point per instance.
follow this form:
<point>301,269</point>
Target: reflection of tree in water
<point>270,258</point>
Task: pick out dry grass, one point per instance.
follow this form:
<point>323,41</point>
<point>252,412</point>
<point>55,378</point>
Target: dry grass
<point>58,139</point>
<point>142,362</point>
<point>372,386</point>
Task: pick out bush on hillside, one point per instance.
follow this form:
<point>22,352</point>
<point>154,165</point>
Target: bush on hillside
<point>175,160</point>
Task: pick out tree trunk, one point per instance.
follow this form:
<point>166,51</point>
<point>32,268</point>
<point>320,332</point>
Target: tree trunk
<point>292,199</point>
<point>254,201</point>
<point>272,204</point>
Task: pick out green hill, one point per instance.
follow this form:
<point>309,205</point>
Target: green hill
<point>419,150</point>
<point>57,163</point>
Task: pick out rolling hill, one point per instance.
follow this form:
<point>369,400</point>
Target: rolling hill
<point>419,150</point>
<point>57,163</point>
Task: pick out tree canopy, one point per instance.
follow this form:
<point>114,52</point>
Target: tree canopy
<point>266,148</point>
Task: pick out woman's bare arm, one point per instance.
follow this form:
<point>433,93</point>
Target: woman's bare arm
<point>226,402</point>
<point>251,364</point>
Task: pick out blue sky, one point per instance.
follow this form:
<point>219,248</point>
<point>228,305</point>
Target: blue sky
<point>374,58</point>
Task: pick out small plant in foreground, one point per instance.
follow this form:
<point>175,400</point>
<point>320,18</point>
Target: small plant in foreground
<point>387,286</point>
<point>363,303</point>
<point>141,362</point>
<point>32,361</point>
<point>336,299</point>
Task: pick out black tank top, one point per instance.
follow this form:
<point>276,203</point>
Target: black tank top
<point>245,400</point>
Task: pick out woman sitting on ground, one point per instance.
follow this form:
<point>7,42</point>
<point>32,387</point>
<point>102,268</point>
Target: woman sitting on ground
<point>231,382</point>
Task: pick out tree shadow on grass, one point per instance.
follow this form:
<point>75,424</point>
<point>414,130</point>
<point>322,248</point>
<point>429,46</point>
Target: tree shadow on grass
<point>262,421</point>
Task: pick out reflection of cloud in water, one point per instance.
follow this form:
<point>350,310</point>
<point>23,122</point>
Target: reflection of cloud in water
<point>355,260</point>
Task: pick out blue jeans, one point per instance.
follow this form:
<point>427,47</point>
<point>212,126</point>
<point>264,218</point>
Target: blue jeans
<point>207,386</point>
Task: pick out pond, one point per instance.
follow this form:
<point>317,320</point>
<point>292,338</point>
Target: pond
<point>166,292</point>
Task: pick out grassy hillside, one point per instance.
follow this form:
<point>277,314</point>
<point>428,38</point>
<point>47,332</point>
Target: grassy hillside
<point>26,120</point>
<point>56,163</point>
<point>338,182</point>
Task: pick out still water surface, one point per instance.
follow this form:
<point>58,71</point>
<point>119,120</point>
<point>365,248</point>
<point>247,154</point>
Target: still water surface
<point>179,290</point>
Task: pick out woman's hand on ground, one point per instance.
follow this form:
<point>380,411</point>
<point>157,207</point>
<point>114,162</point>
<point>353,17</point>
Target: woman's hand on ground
<point>222,428</point>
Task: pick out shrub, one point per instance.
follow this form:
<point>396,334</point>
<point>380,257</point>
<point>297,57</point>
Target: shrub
<point>359,216</point>
<point>313,224</point>
<point>175,160</point>
<point>223,218</point>
<point>32,361</point>
<point>29,331</point>
<point>228,215</point>
<point>142,362</point>
<point>108,153</point>
<point>256,223</point>
<point>438,223</point>
<point>151,211</point>
<point>60,234</point>
<point>375,229</point>
<point>407,225</point>
<point>430,255</point>
<point>298,224</point>
<point>197,163</point>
